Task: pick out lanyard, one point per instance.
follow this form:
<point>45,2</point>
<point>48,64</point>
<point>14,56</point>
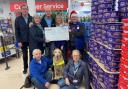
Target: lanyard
<point>76,67</point>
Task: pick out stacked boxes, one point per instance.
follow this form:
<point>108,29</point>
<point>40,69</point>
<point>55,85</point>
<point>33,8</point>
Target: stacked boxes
<point>123,78</point>
<point>100,79</point>
<point>110,58</point>
<point>105,43</point>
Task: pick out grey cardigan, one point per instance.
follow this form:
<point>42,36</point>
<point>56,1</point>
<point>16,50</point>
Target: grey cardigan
<point>82,72</point>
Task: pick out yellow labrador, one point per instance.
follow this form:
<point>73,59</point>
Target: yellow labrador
<point>58,63</point>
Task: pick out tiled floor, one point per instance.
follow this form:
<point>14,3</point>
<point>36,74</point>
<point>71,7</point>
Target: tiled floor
<point>14,78</point>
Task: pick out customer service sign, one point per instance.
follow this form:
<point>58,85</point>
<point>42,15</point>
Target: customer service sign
<point>15,6</point>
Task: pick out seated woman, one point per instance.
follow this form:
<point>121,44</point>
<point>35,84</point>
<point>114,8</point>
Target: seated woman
<point>74,72</point>
<point>40,76</point>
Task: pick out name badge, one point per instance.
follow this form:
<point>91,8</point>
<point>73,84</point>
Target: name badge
<point>75,81</point>
<point>78,27</point>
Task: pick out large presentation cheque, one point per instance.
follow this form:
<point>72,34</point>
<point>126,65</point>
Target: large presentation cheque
<point>56,33</point>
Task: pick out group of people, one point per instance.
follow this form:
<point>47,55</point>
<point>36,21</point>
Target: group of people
<point>75,71</point>
<point>30,35</point>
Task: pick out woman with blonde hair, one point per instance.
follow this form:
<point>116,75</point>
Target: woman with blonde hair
<point>60,44</point>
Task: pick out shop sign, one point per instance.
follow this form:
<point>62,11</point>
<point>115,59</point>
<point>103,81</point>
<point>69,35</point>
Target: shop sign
<point>15,6</point>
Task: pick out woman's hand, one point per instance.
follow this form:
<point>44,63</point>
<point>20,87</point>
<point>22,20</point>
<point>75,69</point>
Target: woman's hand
<point>20,44</point>
<point>47,84</point>
<point>67,81</point>
<point>62,47</point>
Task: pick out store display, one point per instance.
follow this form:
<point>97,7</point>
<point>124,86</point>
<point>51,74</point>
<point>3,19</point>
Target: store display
<point>7,40</point>
<point>106,41</point>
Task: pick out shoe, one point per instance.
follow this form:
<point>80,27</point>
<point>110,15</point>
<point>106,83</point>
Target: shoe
<point>25,71</point>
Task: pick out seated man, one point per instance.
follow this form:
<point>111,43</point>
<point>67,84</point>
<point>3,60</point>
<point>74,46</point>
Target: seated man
<point>74,72</point>
<point>40,76</point>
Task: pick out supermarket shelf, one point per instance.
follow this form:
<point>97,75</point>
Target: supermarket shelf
<point>105,45</point>
<point>97,79</point>
<point>92,86</point>
<point>101,65</point>
<point>12,52</point>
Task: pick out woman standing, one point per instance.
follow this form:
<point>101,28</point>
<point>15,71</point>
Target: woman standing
<point>61,44</point>
<point>36,38</point>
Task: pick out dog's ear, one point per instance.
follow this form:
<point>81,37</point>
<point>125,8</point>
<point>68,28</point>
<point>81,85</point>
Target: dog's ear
<point>60,51</point>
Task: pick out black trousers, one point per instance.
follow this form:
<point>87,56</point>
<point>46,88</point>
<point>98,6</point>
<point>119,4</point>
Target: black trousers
<point>25,46</point>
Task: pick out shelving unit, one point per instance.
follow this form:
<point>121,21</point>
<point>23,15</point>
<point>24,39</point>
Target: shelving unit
<point>92,86</point>
<point>101,65</point>
<point>97,80</point>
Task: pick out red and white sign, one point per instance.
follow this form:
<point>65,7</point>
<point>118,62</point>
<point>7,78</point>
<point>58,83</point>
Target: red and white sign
<point>15,6</point>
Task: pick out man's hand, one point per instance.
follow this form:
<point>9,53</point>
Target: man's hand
<point>20,44</point>
<point>30,24</point>
<point>47,41</point>
<point>67,81</point>
<point>47,84</point>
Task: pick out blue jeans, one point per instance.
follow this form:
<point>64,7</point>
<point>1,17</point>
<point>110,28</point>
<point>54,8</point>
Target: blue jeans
<point>38,84</point>
<point>62,85</point>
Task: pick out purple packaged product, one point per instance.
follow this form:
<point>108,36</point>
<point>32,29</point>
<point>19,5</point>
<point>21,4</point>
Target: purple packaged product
<point>111,57</point>
<point>117,34</point>
<point>113,76</point>
<point>123,9</point>
<point>111,14</point>
<point>100,11</point>
<point>94,12</point>
<point>105,5</point>
<point>113,26</point>
<point>105,1</point>
<point>112,19</point>
<point>115,40</point>
<point>112,64</point>
<point>122,4</point>
<point>95,3</point>
<point>114,45</point>
<point>94,8</point>
<point>115,52</point>
<point>112,69</point>
<point>111,82</point>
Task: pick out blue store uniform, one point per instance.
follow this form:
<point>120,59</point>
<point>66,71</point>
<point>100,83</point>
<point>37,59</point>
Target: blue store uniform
<point>77,36</point>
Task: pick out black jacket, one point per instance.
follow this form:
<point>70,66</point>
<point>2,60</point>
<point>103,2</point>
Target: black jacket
<point>22,29</point>
<point>36,38</point>
<point>44,23</point>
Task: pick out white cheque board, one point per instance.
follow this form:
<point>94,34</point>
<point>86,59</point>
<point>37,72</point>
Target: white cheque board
<point>57,33</point>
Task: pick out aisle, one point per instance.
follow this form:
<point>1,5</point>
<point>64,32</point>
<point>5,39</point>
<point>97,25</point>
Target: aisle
<point>14,78</point>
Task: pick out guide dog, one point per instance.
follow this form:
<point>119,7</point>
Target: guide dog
<point>58,63</point>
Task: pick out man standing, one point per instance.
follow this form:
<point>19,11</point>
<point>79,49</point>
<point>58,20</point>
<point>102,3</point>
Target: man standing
<point>48,21</point>
<point>22,34</point>
<point>76,33</point>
